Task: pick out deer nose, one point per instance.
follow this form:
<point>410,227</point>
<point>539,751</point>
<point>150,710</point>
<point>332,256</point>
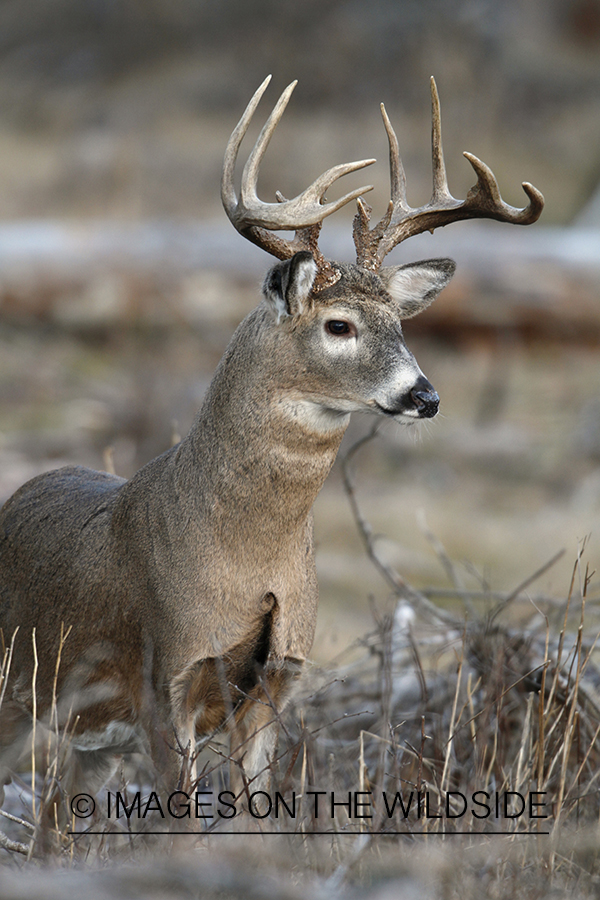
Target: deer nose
<point>425,399</point>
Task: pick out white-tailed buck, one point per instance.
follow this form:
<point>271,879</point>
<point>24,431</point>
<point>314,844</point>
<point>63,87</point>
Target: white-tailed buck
<point>189,591</point>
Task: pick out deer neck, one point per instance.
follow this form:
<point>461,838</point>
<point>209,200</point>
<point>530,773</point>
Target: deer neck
<point>261,450</point>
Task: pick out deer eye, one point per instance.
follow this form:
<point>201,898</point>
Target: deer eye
<point>340,328</point>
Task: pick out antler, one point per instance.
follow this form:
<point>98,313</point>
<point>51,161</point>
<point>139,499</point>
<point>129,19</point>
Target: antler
<point>402,221</point>
<point>255,219</point>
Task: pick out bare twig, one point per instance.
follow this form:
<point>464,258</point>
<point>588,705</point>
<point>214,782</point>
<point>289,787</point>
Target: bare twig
<point>13,846</point>
<point>33,721</point>
<point>399,586</point>
<point>524,585</point>
<point>22,822</point>
<point>6,662</point>
<point>440,551</point>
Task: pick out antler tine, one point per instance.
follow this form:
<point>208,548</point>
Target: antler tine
<point>440,179</point>
<point>364,239</point>
<point>397,173</point>
<point>228,195</point>
<point>317,190</point>
<point>401,221</point>
<point>250,173</point>
<point>484,198</point>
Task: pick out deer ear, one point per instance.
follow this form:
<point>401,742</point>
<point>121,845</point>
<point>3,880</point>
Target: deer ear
<point>416,285</point>
<point>288,285</point>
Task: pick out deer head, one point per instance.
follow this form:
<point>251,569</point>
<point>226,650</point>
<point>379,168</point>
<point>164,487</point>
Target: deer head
<point>365,293</point>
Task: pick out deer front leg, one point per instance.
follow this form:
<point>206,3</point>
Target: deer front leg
<point>256,725</point>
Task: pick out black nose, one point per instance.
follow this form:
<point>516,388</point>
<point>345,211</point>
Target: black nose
<point>425,399</point>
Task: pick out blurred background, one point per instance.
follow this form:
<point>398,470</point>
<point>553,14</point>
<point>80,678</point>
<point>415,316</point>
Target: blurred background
<point>121,279</point>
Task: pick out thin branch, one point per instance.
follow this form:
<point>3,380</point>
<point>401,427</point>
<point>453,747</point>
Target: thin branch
<point>399,586</point>
<point>13,846</point>
<point>16,819</point>
<point>525,584</point>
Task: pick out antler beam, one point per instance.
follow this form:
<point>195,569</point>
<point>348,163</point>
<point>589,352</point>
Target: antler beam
<point>402,221</point>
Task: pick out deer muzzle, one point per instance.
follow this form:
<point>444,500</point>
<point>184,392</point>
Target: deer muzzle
<point>420,402</point>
